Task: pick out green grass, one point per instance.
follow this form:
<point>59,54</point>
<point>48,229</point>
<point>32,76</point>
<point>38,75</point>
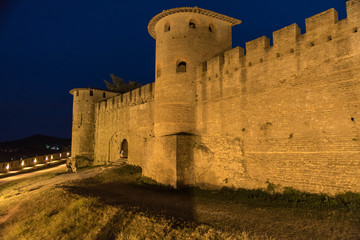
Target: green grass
<point>288,198</point>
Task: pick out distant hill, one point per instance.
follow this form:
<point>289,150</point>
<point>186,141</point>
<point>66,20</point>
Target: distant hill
<point>35,145</point>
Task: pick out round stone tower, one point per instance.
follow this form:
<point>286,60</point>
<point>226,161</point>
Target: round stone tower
<point>83,125</point>
<point>185,37</point>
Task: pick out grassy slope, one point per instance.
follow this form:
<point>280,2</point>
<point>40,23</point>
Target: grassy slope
<point>120,204</point>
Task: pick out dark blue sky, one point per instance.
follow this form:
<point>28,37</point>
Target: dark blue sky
<point>50,47</point>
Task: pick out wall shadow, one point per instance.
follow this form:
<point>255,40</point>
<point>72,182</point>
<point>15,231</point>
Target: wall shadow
<point>151,199</point>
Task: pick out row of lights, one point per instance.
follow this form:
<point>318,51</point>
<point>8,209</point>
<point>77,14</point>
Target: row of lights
<point>35,160</point>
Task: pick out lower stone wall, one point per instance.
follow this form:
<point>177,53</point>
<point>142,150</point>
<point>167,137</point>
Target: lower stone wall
<point>160,159</point>
<point>224,161</point>
<point>131,123</point>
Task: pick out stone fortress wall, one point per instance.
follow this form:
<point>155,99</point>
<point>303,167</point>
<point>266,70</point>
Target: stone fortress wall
<point>129,117</point>
<point>286,114</point>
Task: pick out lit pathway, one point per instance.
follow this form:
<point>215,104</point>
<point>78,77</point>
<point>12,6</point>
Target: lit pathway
<point>31,174</point>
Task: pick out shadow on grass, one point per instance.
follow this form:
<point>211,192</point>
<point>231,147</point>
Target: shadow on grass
<point>154,199</point>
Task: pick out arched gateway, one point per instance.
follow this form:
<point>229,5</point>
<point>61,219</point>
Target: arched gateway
<point>124,149</point>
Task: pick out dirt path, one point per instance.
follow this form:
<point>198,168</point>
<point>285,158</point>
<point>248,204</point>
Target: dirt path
<point>9,214</point>
<point>32,174</point>
<point>20,193</point>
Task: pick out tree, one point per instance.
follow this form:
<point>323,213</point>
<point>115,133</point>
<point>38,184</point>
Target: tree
<point>119,85</point>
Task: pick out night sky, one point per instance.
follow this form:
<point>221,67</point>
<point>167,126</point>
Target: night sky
<point>48,47</point>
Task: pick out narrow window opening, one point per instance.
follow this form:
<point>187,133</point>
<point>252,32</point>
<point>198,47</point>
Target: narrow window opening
<point>329,38</point>
<point>352,119</point>
<point>249,64</point>
<point>104,94</point>
<point>77,93</point>
<point>355,30</point>
<point>278,55</point>
<point>181,67</point>
<point>261,60</point>
<point>312,44</point>
<point>158,72</point>
<point>91,93</point>
<point>167,27</point>
<point>291,50</point>
<point>211,28</point>
<point>192,24</point>
<point>204,66</point>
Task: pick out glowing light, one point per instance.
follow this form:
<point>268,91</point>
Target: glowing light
<point>35,160</point>
<point>7,167</point>
<point>47,158</point>
<point>51,157</point>
<point>22,163</point>
<point>60,154</point>
<point>67,153</point>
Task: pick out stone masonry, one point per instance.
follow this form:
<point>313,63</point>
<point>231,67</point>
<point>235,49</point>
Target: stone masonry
<point>286,113</point>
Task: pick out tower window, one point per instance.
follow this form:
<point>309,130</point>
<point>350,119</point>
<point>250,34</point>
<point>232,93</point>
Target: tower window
<point>192,24</point>
<point>91,93</point>
<point>167,27</point>
<point>104,94</point>
<point>77,93</point>
<point>204,66</point>
<point>211,28</point>
<point>181,67</point>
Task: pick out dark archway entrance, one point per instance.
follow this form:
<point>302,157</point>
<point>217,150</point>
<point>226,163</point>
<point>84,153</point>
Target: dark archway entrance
<point>124,149</point>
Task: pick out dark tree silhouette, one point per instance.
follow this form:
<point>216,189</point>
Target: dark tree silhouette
<point>119,85</point>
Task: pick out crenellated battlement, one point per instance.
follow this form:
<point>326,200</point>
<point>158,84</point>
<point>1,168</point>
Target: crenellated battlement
<point>325,38</point>
<point>257,46</point>
<point>135,97</point>
<point>287,36</point>
<point>325,19</point>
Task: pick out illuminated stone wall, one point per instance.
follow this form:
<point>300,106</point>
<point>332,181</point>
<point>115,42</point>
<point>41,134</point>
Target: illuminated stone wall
<point>127,116</point>
<point>286,113</point>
